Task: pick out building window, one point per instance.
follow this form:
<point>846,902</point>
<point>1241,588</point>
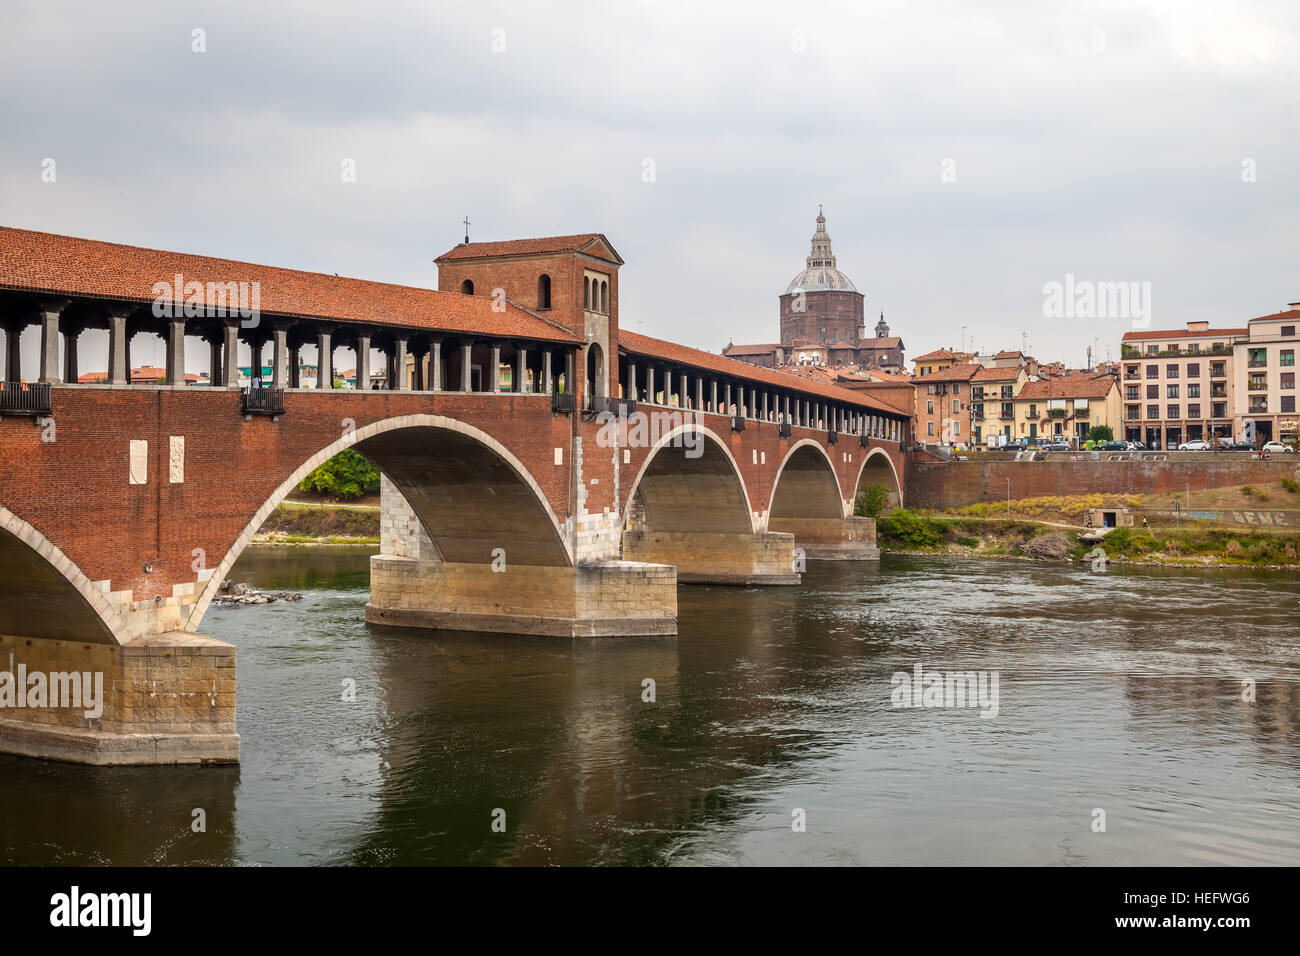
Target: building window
<point>1133,412</point>
<point>1258,357</point>
<point>1288,380</point>
<point>929,408</point>
<point>467,287</point>
<point>543,291</point>
<point>1193,411</point>
<point>604,297</point>
<point>1288,403</point>
<point>1220,409</point>
<point>1288,331</point>
<point>1286,357</point>
<point>1259,405</point>
<point>1171,391</point>
<point>1171,371</point>
<point>930,427</point>
<point>1131,392</point>
<point>1153,350</point>
<point>1153,371</point>
<point>1193,390</point>
<point>1153,411</point>
<point>1217,370</point>
<point>956,388</point>
<point>1153,391</point>
<point>1193,369</point>
<point>1172,411</point>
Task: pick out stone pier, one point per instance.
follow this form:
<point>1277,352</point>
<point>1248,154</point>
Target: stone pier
<point>717,558</point>
<point>412,586</point>
<point>166,699</point>
<point>832,539</point>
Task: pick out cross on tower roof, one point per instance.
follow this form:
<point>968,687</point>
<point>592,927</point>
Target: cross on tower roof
<point>466,220</point>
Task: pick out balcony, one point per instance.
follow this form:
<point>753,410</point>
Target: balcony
<point>783,429</point>
<point>262,401</point>
<point>21,398</point>
<point>618,407</point>
<point>1056,413</point>
<point>738,423</point>
<point>1253,387</point>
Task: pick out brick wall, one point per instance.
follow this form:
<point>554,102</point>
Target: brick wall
<point>955,484</point>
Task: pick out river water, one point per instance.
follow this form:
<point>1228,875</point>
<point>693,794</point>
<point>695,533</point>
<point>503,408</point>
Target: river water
<point>1119,692</point>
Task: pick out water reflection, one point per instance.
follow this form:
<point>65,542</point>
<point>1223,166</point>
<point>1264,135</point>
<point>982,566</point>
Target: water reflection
<point>1120,691</point>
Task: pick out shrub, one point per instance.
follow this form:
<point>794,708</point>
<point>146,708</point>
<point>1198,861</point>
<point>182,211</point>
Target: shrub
<point>1290,485</point>
<point>1247,490</point>
<point>871,502</point>
<point>346,475</point>
<point>909,529</point>
<point>1100,433</point>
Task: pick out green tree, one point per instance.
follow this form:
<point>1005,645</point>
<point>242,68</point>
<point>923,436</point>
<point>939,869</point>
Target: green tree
<point>1101,433</point>
<point>347,475</point>
<point>871,502</point>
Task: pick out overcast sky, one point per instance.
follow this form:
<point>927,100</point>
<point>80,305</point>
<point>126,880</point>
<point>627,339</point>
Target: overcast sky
<point>1103,140</point>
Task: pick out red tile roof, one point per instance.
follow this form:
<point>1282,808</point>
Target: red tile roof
<point>64,265</point>
<point>733,368</point>
<point>592,243</point>
<point>750,349</point>
<point>1071,386</point>
<point>955,373</point>
<point>1183,333</point>
<point>998,374</point>
<point>1288,314</point>
<point>1009,353</point>
<point>937,354</point>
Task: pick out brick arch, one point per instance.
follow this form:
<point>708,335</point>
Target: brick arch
<point>806,485</point>
<point>876,471</point>
<point>439,464</point>
<point>681,494</point>
<point>40,586</point>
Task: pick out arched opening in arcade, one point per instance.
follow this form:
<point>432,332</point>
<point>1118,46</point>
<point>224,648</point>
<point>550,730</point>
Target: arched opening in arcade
<point>878,469</point>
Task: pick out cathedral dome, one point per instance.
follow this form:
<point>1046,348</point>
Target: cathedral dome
<point>820,273</point>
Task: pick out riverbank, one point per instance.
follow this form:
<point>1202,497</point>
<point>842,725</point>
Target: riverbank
<point>1191,544</point>
<point>298,522</point>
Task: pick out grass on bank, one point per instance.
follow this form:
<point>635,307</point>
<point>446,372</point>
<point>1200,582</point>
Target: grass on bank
<point>1195,543</point>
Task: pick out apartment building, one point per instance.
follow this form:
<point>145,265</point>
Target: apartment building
<point>1068,407</point>
<point>1178,384</point>
<point>1264,376</point>
<point>992,398</point>
<point>943,405</point>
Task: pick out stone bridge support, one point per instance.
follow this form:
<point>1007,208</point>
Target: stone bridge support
<point>412,585</point>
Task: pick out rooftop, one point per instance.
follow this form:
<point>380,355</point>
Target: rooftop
<point>64,265</point>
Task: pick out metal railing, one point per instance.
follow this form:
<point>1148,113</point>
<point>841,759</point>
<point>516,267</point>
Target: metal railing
<point>24,398</point>
<point>262,401</point>
<point>738,423</point>
<point>784,429</point>
<point>562,403</point>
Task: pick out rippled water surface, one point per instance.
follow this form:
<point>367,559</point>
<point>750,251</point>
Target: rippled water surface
<point>1120,691</point>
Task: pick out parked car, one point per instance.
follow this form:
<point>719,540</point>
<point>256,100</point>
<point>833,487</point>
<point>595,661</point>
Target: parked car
<point>1194,446</point>
<point>1276,448</point>
<point>1241,446</point>
<point>1059,446</point>
<point>1135,446</point>
<point>1114,446</point>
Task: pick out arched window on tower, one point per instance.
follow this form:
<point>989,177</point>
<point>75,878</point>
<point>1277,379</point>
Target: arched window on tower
<point>586,292</point>
<point>543,291</point>
<point>604,297</point>
<point>467,287</point>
